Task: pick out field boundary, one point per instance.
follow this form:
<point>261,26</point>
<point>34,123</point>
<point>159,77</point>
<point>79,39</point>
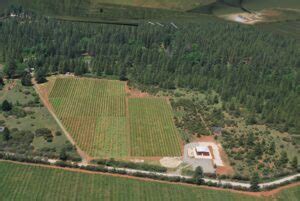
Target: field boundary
<point>268,193</point>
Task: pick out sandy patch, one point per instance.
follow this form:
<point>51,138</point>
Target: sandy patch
<point>245,18</point>
<point>170,162</point>
<point>135,93</point>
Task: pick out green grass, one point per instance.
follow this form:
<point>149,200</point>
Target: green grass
<point>37,116</point>
<point>25,182</point>
<point>291,194</point>
<point>94,113</point>
<point>264,4</point>
<point>153,132</point>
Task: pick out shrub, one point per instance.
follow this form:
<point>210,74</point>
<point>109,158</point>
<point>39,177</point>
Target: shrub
<point>45,133</point>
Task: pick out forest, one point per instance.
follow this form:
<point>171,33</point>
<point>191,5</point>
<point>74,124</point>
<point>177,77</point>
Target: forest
<point>249,68</point>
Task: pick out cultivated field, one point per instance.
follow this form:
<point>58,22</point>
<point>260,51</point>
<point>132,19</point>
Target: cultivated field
<point>153,132</point>
<point>95,113</point>
<point>26,182</point>
<point>166,4</point>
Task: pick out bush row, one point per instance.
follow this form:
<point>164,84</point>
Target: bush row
<point>154,176</point>
<point>22,158</point>
<point>281,184</point>
<point>131,165</point>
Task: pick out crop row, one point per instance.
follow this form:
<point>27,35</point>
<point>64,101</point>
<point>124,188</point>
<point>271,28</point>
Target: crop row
<point>152,129</point>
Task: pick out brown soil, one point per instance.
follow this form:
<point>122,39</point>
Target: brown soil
<point>208,138</point>
<point>226,169</point>
<point>10,85</point>
<point>135,93</point>
<point>145,158</point>
<point>258,194</point>
<point>271,13</point>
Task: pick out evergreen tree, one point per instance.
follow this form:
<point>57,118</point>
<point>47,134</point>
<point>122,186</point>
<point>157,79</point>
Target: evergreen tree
<point>294,163</point>
<point>63,155</point>
<point>26,79</point>
<point>283,158</point>
<point>254,182</point>
<point>198,175</point>
<point>6,134</point>
<point>1,81</point>
<point>10,68</point>
<point>40,76</point>
<point>123,74</point>
<point>6,106</point>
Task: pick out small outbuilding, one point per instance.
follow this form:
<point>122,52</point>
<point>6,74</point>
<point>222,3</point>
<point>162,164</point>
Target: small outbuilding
<point>202,151</point>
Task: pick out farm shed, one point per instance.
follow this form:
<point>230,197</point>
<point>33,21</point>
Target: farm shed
<point>202,151</point>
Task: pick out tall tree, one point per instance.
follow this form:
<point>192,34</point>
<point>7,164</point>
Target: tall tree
<point>198,175</point>
<point>6,106</point>
<point>6,134</point>
<point>40,76</point>
<point>254,183</point>
<point>26,79</point>
<point>10,68</point>
<point>294,163</point>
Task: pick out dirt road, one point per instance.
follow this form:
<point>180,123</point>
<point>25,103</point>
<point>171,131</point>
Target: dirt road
<point>85,158</point>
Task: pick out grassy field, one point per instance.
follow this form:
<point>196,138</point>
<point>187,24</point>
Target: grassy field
<point>152,128</point>
<point>290,194</point>
<point>25,182</point>
<point>93,111</point>
<point>29,115</point>
<point>96,115</point>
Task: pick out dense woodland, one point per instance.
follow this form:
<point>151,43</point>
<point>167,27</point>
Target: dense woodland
<point>247,67</point>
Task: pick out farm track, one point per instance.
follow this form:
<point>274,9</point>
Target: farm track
<point>43,97</point>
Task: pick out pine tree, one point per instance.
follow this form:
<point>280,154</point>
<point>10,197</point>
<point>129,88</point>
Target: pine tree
<point>26,79</point>
<point>6,106</point>
<point>40,76</point>
<point>6,134</point>
<point>254,183</point>
<point>198,175</point>
<point>294,163</point>
<point>63,155</point>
